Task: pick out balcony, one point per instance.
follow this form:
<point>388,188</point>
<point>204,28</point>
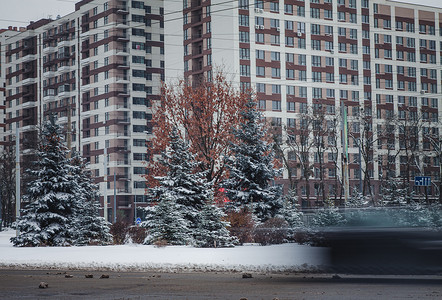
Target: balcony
<point>64,44</point>
<point>85,88</point>
<point>29,104</point>
<point>122,24</point>
<point>49,98</point>
<point>122,37</point>
<point>29,128</point>
<point>123,149</point>
<point>85,61</point>
<point>123,162</point>
<point>123,65</point>
<point>84,35</point>
<point>123,120</point>
<point>64,69</point>
<point>122,51</point>
<point>123,93</point>
<point>62,120</point>
<point>123,133</point>
<point>123,79</point>
<point>122,9</point>
<point>48,50</point>
<point>49,73</point>
<point>29,57</point>
<point>123,190</point>
<point>29,81</point>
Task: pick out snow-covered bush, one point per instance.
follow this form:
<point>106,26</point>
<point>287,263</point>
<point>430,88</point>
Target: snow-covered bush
<point>327,217</point>
<point>272,231</point>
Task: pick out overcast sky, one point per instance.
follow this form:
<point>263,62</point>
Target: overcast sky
<point>21,12</point>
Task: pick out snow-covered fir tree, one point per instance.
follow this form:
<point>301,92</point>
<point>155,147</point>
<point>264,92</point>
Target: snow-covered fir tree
<point>328,217</point>
<point>92,228</point>
<point>392,194</point>
<point>290,211</point>
<point>251,168</point>
<point>188,187</point>
<point>212,230</point>
<point>48,219</point>
<point>165,222</point>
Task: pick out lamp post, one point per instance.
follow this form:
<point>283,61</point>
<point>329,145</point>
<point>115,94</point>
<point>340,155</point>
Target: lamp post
<point>17,176</point>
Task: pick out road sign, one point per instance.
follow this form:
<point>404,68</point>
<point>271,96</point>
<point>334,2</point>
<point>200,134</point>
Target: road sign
<point>138,221</point>
<point>422,181</point>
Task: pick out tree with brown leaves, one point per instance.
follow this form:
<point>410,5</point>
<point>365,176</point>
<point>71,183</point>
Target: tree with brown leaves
<point>205,116</point>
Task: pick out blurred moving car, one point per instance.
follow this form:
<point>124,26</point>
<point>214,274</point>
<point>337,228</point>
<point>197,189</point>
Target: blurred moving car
<point>383,242</point>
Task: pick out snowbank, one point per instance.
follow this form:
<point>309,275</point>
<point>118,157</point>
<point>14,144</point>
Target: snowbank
<point>275,258</point>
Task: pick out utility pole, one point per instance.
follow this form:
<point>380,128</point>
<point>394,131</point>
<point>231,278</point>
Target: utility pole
<point>345,151</point>
<point>17,176</point>
<point>115,197</point>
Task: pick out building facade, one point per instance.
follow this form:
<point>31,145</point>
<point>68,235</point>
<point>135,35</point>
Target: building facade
<point>313,64</point>
<point>98,71</point>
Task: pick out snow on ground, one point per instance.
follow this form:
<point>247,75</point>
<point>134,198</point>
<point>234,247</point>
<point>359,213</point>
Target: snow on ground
<point>275,258</point>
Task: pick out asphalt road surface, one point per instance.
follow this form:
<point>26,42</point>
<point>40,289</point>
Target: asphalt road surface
<point>24,284</point>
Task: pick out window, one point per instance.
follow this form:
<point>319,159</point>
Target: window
<point>290,90</point>
<point>316,45</point>
<point>290,57</point>
<point>260,88</point>
<point>316,61</point>
<point>244,53</point>
<point>274,23</point>
<point>245,70</point>
<point>289,25</point>
<point>244,37</point>
<point>275,56</point>
<point>260,71</point>
<point>288,8</point>
<point>317,76</point>
<point>329,61</point>
<point>316,29</point>
<point>300,11</point>
<point>243,20</point>
<point>315,13</point>
<point>302,60</point>
<point>259,37</point>
<point>260,54</point>
<point>274,39</point>
<point>276,72</point>
<point>276,105</point>
<point>274,6</point>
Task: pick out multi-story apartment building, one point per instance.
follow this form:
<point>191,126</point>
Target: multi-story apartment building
<point>379,59</point>
<point>97,70</point>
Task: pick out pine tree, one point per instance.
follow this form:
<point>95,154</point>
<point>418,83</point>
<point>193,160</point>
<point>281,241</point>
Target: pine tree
<point>165,222</point>
<point>91,228</point>
<point>251,168</point>
<point>290,211</point>
<point>49,218</point>
<point>211,230</point>
<point>189,188</point>
<point>328,217</point>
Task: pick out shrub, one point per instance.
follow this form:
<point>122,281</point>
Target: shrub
<point>137,234</point>
<point>119,231</point>
<point>241,225</point>
<point>272,231</point>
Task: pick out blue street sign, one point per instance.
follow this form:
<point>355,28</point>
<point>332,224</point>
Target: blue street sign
<point>422,181</point>
<point>138,221</point>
